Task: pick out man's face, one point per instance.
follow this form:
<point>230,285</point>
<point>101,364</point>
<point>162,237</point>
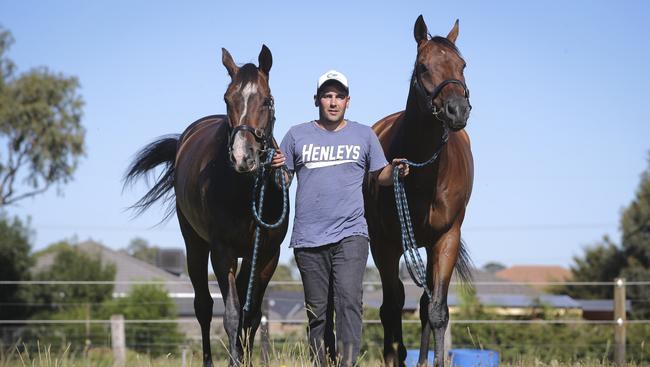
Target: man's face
<point>332,102</point>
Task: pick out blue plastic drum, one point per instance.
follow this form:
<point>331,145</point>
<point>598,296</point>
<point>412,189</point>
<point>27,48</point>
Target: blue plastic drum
<point>473,358</point>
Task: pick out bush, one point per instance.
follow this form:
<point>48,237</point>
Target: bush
<point>147,302</point>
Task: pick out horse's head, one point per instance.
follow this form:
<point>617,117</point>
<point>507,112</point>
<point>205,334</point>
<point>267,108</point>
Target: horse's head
<point>438,77</point>
<point>250,110</point>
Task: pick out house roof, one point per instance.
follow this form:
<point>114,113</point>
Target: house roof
<point>128,268</point>
<point>498,285</point>
<point>491,293</point>
<point>524,301</point>
<point>286,305</point>
<point>534,273</point>
<point>601,305</point>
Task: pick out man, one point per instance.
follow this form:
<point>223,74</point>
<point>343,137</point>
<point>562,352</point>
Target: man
<point>330,157</point>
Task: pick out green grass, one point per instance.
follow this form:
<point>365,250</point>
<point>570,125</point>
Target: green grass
<point>282,355</point>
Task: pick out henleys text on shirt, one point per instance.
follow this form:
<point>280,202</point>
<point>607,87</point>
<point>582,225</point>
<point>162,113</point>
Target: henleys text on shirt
<point>315,156</point>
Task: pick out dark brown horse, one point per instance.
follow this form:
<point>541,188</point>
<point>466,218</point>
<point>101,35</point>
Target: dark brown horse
<point>437,107</point>
<point>211,168</point>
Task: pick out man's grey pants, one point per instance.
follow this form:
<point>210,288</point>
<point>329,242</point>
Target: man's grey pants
<point>332,276</point>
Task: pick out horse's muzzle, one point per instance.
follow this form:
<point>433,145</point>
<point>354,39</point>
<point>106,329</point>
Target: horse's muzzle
<point>456,112</point>
<point>246,165</point>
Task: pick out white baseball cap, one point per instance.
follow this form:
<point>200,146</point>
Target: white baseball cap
<point>333,75</point>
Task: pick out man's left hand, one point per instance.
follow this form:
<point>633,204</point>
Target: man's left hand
<point>403,167</point>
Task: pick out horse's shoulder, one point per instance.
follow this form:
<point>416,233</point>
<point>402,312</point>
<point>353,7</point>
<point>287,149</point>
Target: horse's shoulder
<point>386,122</point>
<point>385,128</point>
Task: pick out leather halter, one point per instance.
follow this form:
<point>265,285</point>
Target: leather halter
<point>262,136</point>
<point>429,97</point>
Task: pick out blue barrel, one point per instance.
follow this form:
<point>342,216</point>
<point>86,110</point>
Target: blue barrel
<point>412,357</point>
<point>474,358</point>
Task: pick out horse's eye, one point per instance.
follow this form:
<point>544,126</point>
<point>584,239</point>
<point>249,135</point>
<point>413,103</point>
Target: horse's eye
<point>422,68</point>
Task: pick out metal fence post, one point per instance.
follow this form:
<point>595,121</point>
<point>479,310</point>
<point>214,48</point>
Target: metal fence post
<point>118,340</point>
<point>266,345</point>
<point>619,318</point>
<point>184,357</point>
<point>448,340</point>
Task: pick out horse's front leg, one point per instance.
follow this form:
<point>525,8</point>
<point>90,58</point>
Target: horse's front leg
<point>386,258</point>
<point>266,264</point>
<point>445,256</point>
<point>224,265</point>
<point>424,315</point>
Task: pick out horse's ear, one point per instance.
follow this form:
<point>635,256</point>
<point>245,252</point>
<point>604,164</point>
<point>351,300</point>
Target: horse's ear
<point>265,59</point>
<point>420,31</point>
<point>229,63</point>
<point>453,34</point>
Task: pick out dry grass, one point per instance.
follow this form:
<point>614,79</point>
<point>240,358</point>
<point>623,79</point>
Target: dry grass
<point>285,355</point>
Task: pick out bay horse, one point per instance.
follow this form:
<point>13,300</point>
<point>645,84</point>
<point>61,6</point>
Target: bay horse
<point>211,168</point>
<point>436,112</point>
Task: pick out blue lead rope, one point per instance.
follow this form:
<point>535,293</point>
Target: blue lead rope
<point>412,258</point>
<point>259,188</point>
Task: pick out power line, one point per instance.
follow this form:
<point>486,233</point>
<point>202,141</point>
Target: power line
<point>297,282</point>
<point>300,321</point>
<point>497,227</point>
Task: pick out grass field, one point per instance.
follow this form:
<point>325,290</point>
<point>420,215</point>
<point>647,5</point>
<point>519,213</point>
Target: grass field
<point>285,356</point>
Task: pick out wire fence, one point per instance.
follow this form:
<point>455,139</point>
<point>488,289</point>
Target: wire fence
<point>8,320</point>
<point>568,336</point>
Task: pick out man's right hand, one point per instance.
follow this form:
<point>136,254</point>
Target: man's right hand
<point>278,159</point>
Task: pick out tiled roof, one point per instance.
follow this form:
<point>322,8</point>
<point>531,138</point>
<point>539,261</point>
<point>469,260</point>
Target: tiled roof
<point>534,273</point>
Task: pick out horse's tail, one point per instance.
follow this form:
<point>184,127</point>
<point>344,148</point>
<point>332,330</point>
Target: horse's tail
<point>464,266</point>
<point>161,151</point>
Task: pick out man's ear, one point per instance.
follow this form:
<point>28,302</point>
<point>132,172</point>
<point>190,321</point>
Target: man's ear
<point>316,101</point>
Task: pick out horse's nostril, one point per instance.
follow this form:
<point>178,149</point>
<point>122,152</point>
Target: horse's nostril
<point>250,161</point>
<point>452,110</point>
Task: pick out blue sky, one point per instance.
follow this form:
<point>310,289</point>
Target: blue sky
<point>560,91</point>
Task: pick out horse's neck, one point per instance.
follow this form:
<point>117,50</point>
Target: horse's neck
<point>421,133</point>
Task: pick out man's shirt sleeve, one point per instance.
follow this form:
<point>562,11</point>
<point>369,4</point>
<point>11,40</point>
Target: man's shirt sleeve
<point>375,153</point>
<point>288,149</point>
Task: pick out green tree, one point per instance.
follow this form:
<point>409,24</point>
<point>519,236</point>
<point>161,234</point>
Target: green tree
<point>142,250</point>
<point>635,225</point>
<point>630,260</point>
<point>70,263</point>
<point>69,301</point>
<point>602,262</point>
<point>15,262</point>
<point>492,267</point>
<point>40,123</point>
<point>147,302</point>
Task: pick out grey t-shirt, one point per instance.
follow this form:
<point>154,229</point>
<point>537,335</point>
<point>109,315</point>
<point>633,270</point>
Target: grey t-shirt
<point>330,167</point>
